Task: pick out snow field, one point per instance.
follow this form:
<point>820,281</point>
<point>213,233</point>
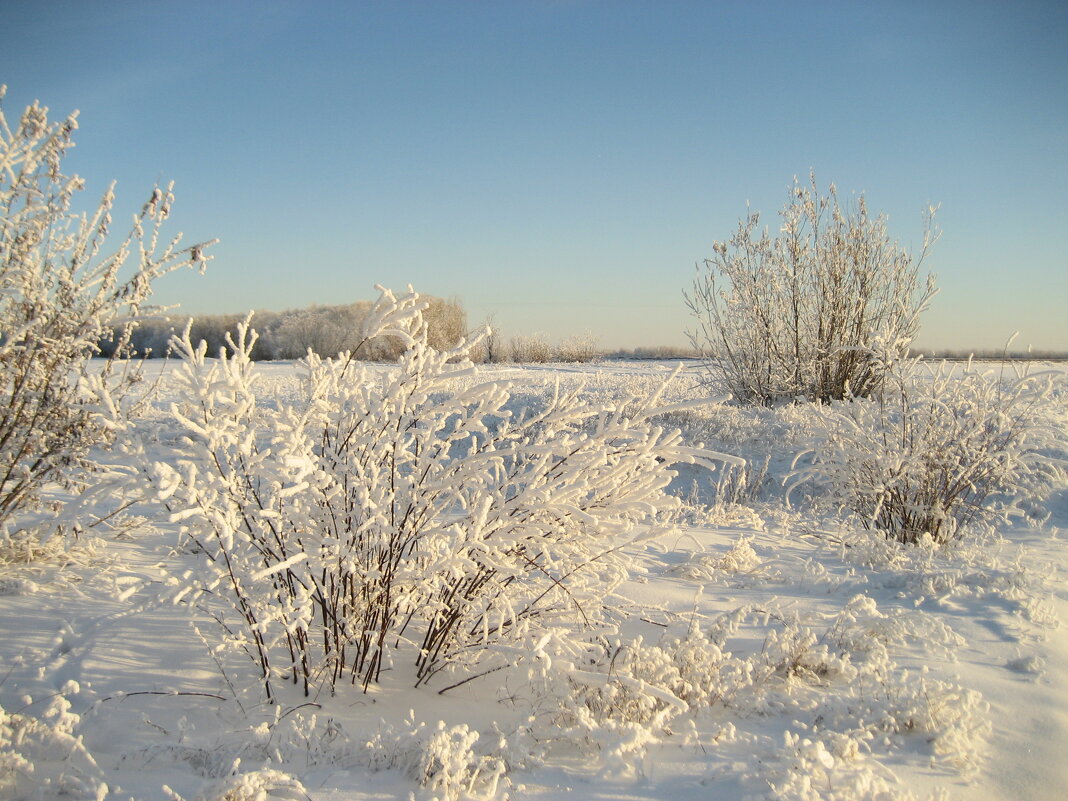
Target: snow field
<point>754,650</point>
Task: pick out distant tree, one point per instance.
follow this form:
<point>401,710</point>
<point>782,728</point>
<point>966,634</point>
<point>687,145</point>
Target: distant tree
<point>152,336</point>
<point>446,323</point>
<point>493,348</point>
<point>213,329</point>
<point>325,330</point>
<point>578,348</point>
<point>532,349</point>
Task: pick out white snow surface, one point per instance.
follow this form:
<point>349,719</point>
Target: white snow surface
<point>847,670</point>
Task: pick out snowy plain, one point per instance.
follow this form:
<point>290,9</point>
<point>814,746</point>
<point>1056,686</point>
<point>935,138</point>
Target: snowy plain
<point>842,668</point>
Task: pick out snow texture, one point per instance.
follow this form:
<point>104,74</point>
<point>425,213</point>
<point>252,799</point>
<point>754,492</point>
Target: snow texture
<point>739,647</point>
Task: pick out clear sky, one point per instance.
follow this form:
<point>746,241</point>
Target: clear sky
<point>562,165</point>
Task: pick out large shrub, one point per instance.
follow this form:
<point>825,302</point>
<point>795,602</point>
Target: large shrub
<point>938,450</point>
<point>392,521</point>
<point>61,293</point>
<point>817,311</point>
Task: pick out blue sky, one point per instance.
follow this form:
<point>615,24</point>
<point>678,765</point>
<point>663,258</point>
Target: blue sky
<point>562,165</point>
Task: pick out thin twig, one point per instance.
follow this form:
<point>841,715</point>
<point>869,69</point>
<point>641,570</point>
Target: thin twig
<point>161,692</point>
<point>471,678</point>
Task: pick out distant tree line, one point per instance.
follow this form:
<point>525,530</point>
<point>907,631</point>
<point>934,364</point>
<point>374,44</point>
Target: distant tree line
<point>991,354</point>
<point>328,330</point>
<point>325,330</point>
<point>656,352</point>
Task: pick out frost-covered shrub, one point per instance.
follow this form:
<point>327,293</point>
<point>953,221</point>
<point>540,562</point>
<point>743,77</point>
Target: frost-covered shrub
<point>983,566</point>
<point>60,294</point>
<point>239,762</point>
<point>19,552</point>
<point>256,785</point>
<point>930,454</point>
<point>44,754</point>
<point>393,514</point>
<point>609,700</point>
<point>441,758</point>
<point>840,677</point>
<point>618,696</point>
<point>835,768</point>
<point>740,558</point>
<point>578,348</point>
<point>446,323</point>
<point>815,312</point>
<point>532,349</point>
<point>847,681</point>
<point>741,485</point>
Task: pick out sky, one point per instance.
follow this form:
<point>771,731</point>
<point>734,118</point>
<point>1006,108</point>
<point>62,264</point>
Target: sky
<point>560,166</point>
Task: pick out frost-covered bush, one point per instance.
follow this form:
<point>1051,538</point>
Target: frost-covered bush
<point>402,520</point>
<point>255,785</point>
<point>937,450</point>
<point>492,349</point>
<point>577,348</point>
<point>441,758</point>
<point>832,769</point>
<point>741,485</point>
<point>815,312</point>
<point>44,754</point>
<point>983,566</point>
<point>532,349</point>
<point>839,678</point>
<point>61,292</point>
<point>741,558</point>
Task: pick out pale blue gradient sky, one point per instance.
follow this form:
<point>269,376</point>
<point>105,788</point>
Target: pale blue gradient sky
<point>562,165</point>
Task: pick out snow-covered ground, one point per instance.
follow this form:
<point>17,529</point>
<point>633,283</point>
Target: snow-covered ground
<point>815,662</point>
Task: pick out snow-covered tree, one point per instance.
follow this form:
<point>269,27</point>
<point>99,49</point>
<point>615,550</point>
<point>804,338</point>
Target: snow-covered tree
<point>62,290</point>
<point>818,311</point>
